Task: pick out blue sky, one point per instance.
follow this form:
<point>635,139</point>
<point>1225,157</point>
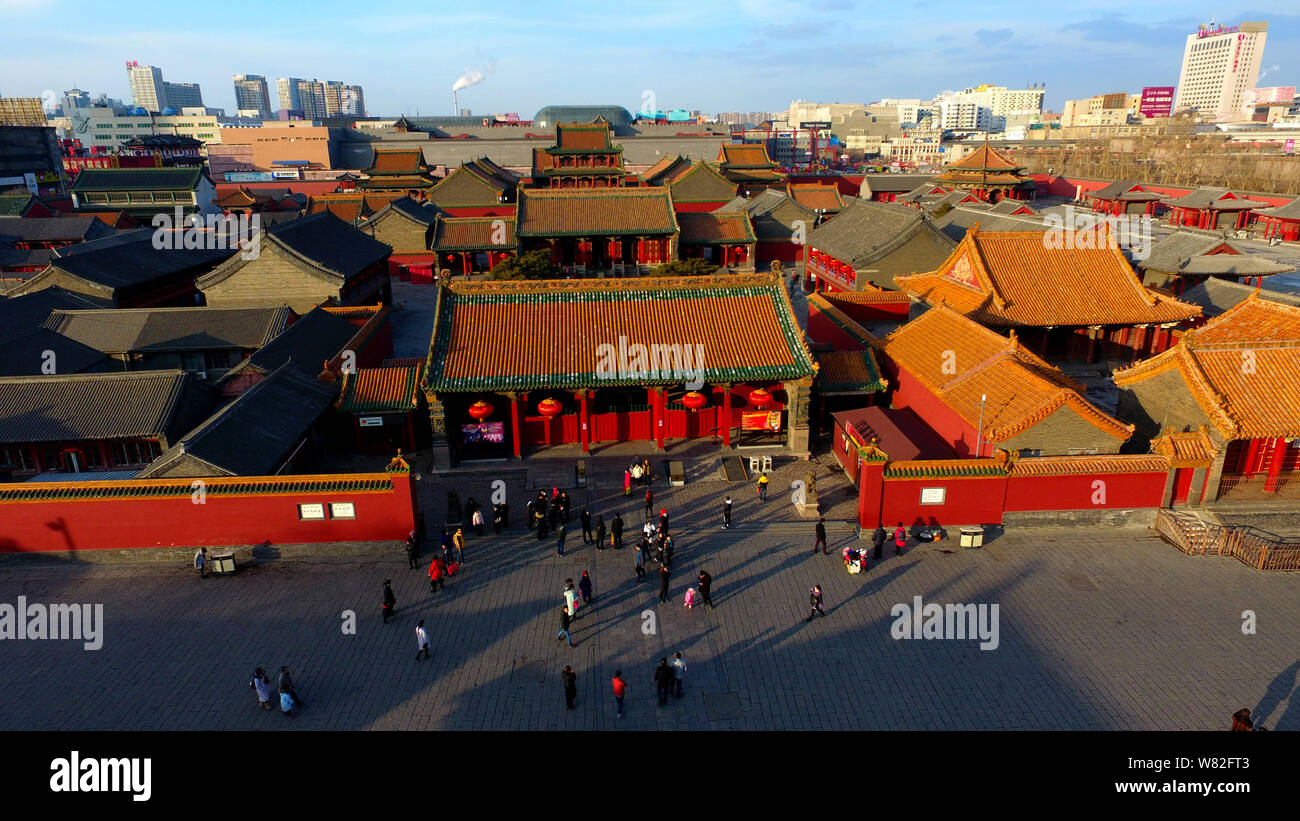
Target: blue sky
<point>714,56</point>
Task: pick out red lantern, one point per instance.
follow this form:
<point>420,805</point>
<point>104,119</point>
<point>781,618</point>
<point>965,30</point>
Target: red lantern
<point>549,407</point>
<point>695,400</point>
<point>760,397</point>
<point>481,410</point>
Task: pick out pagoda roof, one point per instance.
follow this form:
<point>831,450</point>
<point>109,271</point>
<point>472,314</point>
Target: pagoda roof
<point>986,159</point>
<point>1288,211</point>
<point>1186,448</point>
<point>867,231</point>
<point>817,196</point>
<point>180,178</point>
<point>1214,199</point>
<point>1216,295</point>
<point>399,161</point>
<point>959,361</point>
<point>666,170</point>
<point>747,155</point>
<point>525,335</point>
<point>1171,254</point>
<point>712,228</point>
<point>1012,278</point>
<point>849,372</point>
<point>141,330</point>
<point>381,390</point>
<point>1126,191</point>
<point>473,234</point>
<point>1261,401</point>
<point>1233,265</point>
<point>595,212</point>
<point>583,138</point>
<point>351,206</point>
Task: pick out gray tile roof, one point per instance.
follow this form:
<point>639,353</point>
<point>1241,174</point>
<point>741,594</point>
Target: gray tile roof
<point>1172,252</point>
<point>22,313</point>
<point>1216,296</point>
<point>773,213</point>
<point>309,343</point>
<point>956,222</point>
<point>254,434</point>
<point>62,229</point>
<point>330,243</point>
<point>1290,210</point>
<point>899,183</point>
<point>137,179</point>
<point>1120,190</point>
<point>866,231</point>
<point>1208,197</point>
<point>120,405</point>
<point>123,330</point>
<point>135,261</point>
<point>1233,265</point>
<point>27,353</point>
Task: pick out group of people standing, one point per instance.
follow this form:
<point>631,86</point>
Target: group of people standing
<point>668,678</point>
<point>261,684</point>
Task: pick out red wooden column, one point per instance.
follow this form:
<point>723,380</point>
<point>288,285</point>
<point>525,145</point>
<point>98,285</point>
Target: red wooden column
<point>514,423</point>
<point>726,416</point>
<point>1275,465</point>
<point>1250,466</point>
<point>657,411</point>
<point>582,420</point>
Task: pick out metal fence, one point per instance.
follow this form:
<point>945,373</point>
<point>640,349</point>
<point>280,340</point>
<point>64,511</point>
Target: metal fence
<point>1197,538</point>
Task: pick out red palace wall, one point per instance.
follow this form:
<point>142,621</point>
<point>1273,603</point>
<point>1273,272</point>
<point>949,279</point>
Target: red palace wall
<point>823,329</point>
<point>176,521</point>
<point>1082,492</point>
<point>943,420</point>
<point>697,207</point>
<point>966,501</point>
<point>784,250</point>
<point>505,210</point>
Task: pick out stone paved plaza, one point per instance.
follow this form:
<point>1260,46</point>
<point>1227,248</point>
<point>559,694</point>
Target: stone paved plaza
<point>1098,630</point>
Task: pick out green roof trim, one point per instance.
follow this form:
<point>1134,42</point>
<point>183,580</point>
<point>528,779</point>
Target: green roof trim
<point>163,489</point>
<point>944,471</point>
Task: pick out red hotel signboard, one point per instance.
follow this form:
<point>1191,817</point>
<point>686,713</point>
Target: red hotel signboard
<point>1157,101</point>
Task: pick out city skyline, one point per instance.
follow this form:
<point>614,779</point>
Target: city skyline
<point>776,52</point>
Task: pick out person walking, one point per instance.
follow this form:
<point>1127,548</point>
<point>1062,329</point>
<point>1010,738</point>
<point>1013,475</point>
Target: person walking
<point>585,518</point>
<point>477,521</point>
<point>706,589</point>
<point>584,587</point>
<point>201,560</point>
<point>539,518</point>
<point>618,531</point>
<point>726,512</point>
<point>668,552</point>
<point>679,674</point>
<point>560,535</point>
<point>878,540</point>
<point>570,680</point>
<point>600,532</point>
<point>421,641</point>
<point>663,679</point>
<point>570,598</point>
<point>663,521</point>
<point>390,600</point>
<point>286,688</point>
<point>762,487</point>
<point>647,472</point>
<point>620,690</point>
<point>498,519</point>
<point>1241,721</point>
<point>627,482</point>
<point>262,685</point>
<point>437,571</point>
<point>564,505</point>
<point>649,504</point>
<point>663,582</point>
<point>821,538</point>
<point>900,540</point>
<point>565,621</point>
<point>458,542</point>
<point>412,551</point>
<point>641,547</point>
<point>815,601</point>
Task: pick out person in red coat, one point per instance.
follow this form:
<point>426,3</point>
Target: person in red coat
<point>437,572</point>
<point>900,540</point>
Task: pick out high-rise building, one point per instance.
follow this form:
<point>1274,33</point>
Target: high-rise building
<point>288,93</point>
<point>311,99</point>
<point>25,111</point>
<point>147,88</point>
<point>183,95</point>
<point>1221,64</point>
<point>251,93</point>
<point>150,92</point>
<point>354,101</point>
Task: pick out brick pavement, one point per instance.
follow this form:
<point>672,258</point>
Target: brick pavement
<point>1098,631</point>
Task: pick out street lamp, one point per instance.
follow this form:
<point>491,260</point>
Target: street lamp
<point>979,431</point>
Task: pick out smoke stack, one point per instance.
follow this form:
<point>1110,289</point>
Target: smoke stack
<point>455,103</point>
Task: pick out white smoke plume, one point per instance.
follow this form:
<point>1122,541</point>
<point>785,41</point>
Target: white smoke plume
<point>471,77</point>
<point>1264,73</point>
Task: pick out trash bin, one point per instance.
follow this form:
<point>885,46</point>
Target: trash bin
<point>223,562</point>
<point>972,537</point>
